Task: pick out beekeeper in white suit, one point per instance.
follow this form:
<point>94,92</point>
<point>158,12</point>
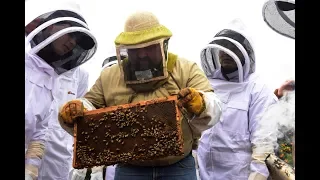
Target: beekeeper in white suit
<point>226,151</point>
<point>57,42</point>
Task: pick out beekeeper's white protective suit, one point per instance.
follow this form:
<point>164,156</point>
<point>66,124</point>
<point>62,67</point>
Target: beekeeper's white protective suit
<point>57,42</point>
<point>226,151</point>
<point>57,160</point>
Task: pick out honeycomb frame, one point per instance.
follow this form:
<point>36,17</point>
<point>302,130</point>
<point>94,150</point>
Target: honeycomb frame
<point>135,132</point>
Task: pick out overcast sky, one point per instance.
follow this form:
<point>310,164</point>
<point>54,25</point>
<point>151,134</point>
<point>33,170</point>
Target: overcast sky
<point>193,24</point>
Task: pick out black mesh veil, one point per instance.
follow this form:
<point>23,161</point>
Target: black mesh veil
<point>61,39</point>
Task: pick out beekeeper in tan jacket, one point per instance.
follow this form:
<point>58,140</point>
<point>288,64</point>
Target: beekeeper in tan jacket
<point>151,72</point>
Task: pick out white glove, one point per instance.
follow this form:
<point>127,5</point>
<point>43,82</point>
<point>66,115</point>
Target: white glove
<point>28,177</point>
<point>256,176</point>
<point>97,173</point>
<point>79,174</point>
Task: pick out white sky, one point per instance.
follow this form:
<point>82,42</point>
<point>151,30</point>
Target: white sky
<point>193,24</point>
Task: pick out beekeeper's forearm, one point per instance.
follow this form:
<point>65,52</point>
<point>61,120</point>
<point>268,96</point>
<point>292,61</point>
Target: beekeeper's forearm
<point>36,147</point>
<point>262,145</point>
<point>209,117</point>
<point>33,158</point>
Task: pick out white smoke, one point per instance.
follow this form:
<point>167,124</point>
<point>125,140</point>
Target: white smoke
<point>277,122</point>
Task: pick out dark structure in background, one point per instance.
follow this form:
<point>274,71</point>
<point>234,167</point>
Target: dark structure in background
<point>280,16</point>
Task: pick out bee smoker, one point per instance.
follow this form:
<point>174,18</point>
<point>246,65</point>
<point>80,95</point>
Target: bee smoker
<point>279,170</point>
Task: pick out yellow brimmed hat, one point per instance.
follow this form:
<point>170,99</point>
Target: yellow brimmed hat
<point>142,27</point>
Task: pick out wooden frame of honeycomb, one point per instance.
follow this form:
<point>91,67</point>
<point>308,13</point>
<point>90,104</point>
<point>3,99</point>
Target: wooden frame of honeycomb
<point>135,132</point>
